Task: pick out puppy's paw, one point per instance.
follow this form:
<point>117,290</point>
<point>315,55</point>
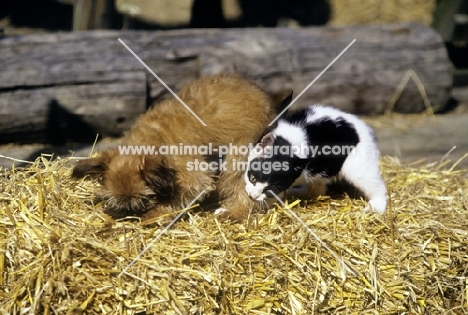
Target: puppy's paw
<point>220,211</point>
<point>231,213</point>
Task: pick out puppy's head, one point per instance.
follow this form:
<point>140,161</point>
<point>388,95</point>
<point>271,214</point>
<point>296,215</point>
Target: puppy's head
<point>131,184</point>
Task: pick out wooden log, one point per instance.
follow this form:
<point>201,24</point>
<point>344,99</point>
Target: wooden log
<point>106,84</point>
<point>70,112</point>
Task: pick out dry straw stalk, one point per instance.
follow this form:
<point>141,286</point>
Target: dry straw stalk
<point>60,254</point>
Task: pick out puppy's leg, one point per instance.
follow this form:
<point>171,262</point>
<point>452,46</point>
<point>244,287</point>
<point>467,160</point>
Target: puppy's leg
<point>236,204</point>
<point>155,213</point>
<point>190,182</point>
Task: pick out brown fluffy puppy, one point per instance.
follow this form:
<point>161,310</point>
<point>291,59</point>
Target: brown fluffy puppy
<point>235,110</point>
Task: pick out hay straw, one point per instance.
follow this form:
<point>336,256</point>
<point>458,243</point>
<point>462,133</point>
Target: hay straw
<point>161,233</point>
<point>15,160</point>
<point>60,254</point>
<point>347,12</point>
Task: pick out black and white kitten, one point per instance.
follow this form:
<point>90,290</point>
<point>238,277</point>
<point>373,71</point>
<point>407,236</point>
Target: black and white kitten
<point>317,143</point>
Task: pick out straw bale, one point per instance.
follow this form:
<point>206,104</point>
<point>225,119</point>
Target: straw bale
<point>347,12</point>
<point>60,254</point>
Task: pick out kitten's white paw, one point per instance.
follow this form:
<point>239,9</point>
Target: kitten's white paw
<point>220,210</point>
<point>377,204</point>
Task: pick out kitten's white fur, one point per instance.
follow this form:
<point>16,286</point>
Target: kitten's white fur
<point>361,168</point>
<point>292,134</point>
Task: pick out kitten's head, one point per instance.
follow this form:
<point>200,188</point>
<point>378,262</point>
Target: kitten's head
<point>270,170</point>
<point>131,184</point>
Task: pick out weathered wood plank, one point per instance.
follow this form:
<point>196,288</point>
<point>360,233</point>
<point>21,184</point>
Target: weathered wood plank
<point>36,69</point>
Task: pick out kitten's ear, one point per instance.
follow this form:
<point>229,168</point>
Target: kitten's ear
<point>266,144</point>
<point>265,147</point>
<point>267,140</point>
<point>93,167</point>
<point>160,177</point>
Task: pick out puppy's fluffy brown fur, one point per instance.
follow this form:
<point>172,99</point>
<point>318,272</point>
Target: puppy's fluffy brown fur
<point>235,110</point>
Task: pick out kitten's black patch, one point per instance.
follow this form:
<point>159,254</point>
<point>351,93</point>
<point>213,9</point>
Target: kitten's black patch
<point>280,141</point>
<point>278,171</point>
<point>299,118</point>
<point>334,136</point>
